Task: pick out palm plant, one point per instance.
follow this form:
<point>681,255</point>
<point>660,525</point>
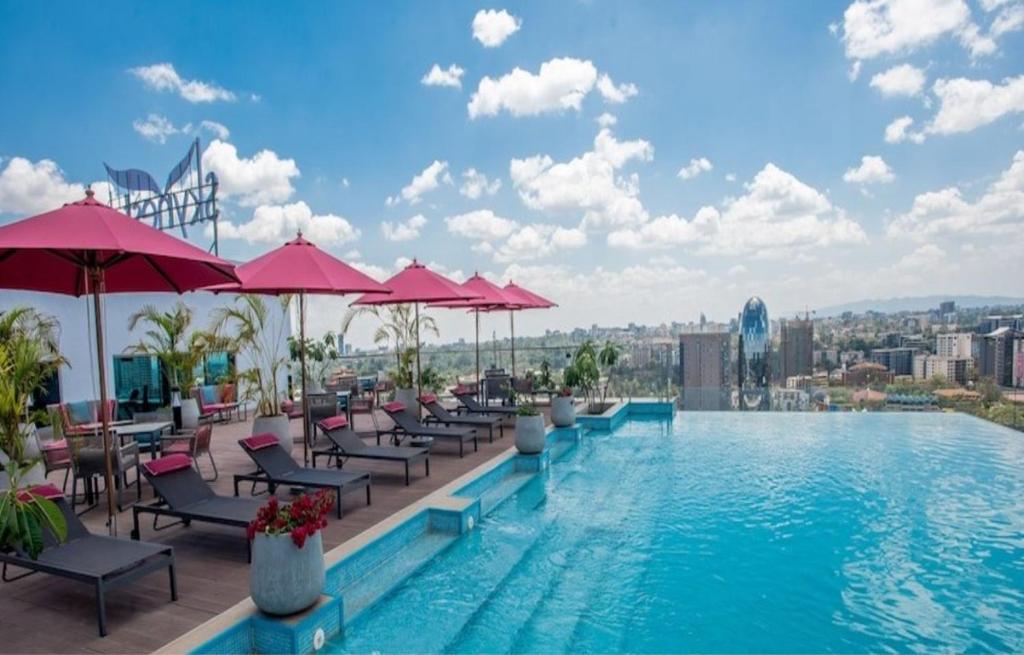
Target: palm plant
<point>608,357</point>
<point>583,372</point>
<point>397,327</point>
<point>321,355</point>
<point>170,338</point>
<point>251,326</point>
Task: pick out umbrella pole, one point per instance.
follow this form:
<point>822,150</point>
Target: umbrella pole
<point>512,327</point>
<point>97,288</point>
<point>478,376</point>
<point>419,372</point>
<point>302,363</point>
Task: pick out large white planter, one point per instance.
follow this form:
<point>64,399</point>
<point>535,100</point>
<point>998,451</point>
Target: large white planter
<point>530,434</point>
<point>407,397</point>
<point>283,578</point>
<point>189,413</point>
<point>275,425</point>
<point>563,411</point>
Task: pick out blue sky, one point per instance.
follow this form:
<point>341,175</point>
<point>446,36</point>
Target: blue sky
<point>729,160</point>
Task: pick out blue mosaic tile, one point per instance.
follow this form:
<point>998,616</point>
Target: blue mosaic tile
<point>478,486</point>
<point>236,640</point>
<point>532,463</point>
<point>364,560</point>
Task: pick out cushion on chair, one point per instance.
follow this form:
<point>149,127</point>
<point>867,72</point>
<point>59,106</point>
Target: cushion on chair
<point>47,491</point>
<point>81,412</point>
<point>287,406</point>
<point>261,441</point>
<point>428,398</point>
<point>176,446</point>
<point>209,392</point>
<point>227,394</point>
<point>167,464</point>
<point>462,390</point>
<point>393,406</point>
<point>333,423</point>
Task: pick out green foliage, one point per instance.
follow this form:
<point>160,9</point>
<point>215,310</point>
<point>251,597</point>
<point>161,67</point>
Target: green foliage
<point>170,338</point>
<point>23,520</point>
<point>527,409</point>
<point>432,380</point>
<point>322,356</point>
<point>250,326</point>
<point>544,379</point>
<point>403,375</point>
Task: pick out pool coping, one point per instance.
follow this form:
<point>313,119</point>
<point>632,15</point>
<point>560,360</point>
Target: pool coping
<point>444,500</point>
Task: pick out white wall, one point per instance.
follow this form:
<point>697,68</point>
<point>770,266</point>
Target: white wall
<point>78,342</point>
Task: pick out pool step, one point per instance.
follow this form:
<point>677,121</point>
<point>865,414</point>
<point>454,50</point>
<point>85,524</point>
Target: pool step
<point>503,490</point>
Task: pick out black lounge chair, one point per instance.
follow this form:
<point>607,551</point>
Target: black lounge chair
<point>104,562</point>
<point>406,424</point>
<point>345,443</point>
<point>438,414</point>
<point>468,399</point>
<point>183,494</point>
<point>276,467</point>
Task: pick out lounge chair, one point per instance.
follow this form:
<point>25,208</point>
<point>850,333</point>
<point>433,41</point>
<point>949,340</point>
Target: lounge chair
<point>468,399</point>
<point>345,443</point>
<point>438,414</point>
<point>216,401</point>
<point>104,562</point>
<point>407,424</point>
<point>184,495</point>
<point>276,467</point>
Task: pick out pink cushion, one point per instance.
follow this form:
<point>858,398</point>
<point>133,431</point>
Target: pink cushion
<point>261,441</point>
<point>167,464</point>
<point>462,389</point>
<point>333,423</point>
<point>393,406</point>
<point>428,398</point>
<point>47,491</point>
<point>287,405</point>
<point>55,445</point>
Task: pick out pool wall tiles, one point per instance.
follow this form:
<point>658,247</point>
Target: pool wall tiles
<point>272,635</point>
<point>236,640</point>
<point>477,487</point>
<point>367,558</point>
<point>455,521</point>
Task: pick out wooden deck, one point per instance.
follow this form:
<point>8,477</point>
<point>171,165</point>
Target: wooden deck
<point>46,614</point>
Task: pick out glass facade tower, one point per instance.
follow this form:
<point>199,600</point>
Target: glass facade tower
<point>754,356</point>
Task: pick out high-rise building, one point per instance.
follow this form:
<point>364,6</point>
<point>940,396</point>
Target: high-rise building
<point>755,345</point>
<point>955,344</point>
<point>996,355</point>
<point>947,307</point>
<point>796,342</point>
<point>989,324</point>
<point>954,369</point>
<point>898,360</point>
<point>704,371</point>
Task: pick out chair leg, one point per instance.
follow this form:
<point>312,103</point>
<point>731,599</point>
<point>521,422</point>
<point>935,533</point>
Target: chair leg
<point>64,487</point>
<point>101,609</point>
<point>174,581</point>
<point>214,465</point>
<point>427,462</point>
<point>407,473</point>
<point>367,494</point>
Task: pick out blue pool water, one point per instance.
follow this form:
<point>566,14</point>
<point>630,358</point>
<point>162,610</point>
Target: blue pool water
<point>737,532</point>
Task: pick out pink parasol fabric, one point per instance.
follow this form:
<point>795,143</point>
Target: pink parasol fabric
<point>87,247</point>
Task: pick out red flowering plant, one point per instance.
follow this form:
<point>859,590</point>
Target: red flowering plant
<point>565,392</point>
<point>301,518</point>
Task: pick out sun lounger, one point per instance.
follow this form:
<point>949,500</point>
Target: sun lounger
<point>104,562</point>
<point>406,424</point>
<point>345,443</point>
<point>474,406</point>
<point>438,414</point>
<point>276,467</point>
<point>184,495</point>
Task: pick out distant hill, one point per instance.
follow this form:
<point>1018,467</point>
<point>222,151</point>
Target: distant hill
<point>916,304</point>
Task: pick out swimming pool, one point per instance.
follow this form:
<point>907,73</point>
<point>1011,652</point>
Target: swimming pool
<point>736,532</point>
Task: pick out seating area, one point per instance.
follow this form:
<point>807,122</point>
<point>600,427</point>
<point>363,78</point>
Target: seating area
<point>139,616</point>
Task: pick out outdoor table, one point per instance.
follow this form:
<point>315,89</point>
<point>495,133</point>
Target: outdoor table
<point>84,429</point>
<point>344,404</point>
<point>154,429</point>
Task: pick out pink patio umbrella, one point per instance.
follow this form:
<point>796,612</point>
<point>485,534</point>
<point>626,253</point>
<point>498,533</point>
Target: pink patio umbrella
<point>300,267</point>
<point>492,298</point>
<point>415,284</point>
<point>527,300</point>
<point>86,247</point>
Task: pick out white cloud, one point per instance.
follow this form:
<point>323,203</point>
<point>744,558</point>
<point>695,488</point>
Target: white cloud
<point>607,120</point>
<point>730,177</point>
<point>482,225</point>
<point>163,77</point>
<point>590,183</point>
<point>872,170</point>
<point>403,231</point>
<point>491,27</point>
<point>261,179</point>
<point>344,182</point>
<point>538,241</point>
<point>902,80</point>
<point>155,128</point>
<point>1009,20</point>
<point>34,187</point>
<point>429,179</point>
<point>999,211</point>
<point>475,184</point>
<point>777,216</point>
<point>890,27</point>
<point>219,130</point>
<point>437,76</point>
<point>854,71</point>
<point>559,85</point>
<point>615,94</point>
<point>965,105</point>
<point>898,131</point>
<point>276,224</point>
<point>694,168</point>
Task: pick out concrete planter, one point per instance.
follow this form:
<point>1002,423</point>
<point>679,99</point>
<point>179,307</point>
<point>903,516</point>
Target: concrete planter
<point>285,579</point>
<point>563,411</point>
<point>275,425</point>
<point>189,413</point>
<point>407,397</point>
<point>530,434</point>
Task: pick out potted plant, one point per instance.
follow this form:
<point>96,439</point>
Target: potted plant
<point>530,437</point>
<point>405,391</point>
<point>287,571</point>
<point>563,408</point>
<point>256,331</point>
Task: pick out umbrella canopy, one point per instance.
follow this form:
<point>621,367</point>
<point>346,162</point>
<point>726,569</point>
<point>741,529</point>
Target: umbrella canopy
<point>54,252</point>
<point>87,247</point>
<point>527,300</point>
<point>415,284</point>
<point>300,267</point>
